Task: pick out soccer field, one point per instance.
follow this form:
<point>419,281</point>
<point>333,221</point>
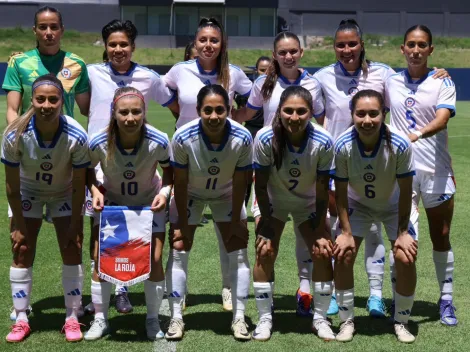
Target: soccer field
<point>208,327</point>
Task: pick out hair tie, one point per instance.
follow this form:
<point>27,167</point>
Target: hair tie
<point>49,83</point>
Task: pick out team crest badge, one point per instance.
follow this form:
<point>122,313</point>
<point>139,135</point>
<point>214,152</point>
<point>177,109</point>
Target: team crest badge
<point>409,102</point>
<point>66,73</point>
<point>26,205</point>
<point>46,166</point>
<point>294,172</point>
<point>128,174</point>
<point>369,177</point>
<point>353,90</point>
<point>213,170</point>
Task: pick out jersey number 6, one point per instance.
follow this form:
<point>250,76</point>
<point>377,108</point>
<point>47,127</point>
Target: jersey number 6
<point>369,190</point>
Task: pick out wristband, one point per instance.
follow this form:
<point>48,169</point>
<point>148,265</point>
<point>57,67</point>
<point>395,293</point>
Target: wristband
<point>165,191</point>
<point>418,133</point>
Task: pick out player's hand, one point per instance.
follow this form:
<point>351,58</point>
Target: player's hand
<point>159,203</point>
<point>344,243</point>
<point>74,235</point>
<point>441,73</point>
<point>98,201</point>
<point>408,245</point>
<point>264,248</point>
<point>323,248</point>
<point>412,137</point>
<point>18,238</point>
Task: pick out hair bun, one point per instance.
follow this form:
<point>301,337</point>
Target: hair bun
<point>348,21</point>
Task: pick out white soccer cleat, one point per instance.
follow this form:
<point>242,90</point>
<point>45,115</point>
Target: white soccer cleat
<point>263,330</point>
<point>403,334</point>
<point>321,327</point>
<point>99,328</point>
<point>346,331</point>
<point>13,312</point>
<point>175,330</point>
<point>240,330</point>
<point>152,326</point>
<point>227,299</point>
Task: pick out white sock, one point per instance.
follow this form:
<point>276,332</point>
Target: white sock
<point>322,297</point>
<point>304,262</point>
<point>119,290</point>
<point>153,297</point>
<point>21,281</point>
<point>224,260</point>
<point>72,282</point>
<point>177,285</point>
<point>403,307</point>
<point>264,299</point>
<point>240,281</point>
<point>374,260</point>
<point>345,299</point>
<point>393,273</point>
<point>100,296</point>
<point>444,265</point>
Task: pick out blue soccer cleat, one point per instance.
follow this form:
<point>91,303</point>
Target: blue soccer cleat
<point>333,309</point>
<point>376,307</point>
<point>304,304</point>
<point>447,312</point>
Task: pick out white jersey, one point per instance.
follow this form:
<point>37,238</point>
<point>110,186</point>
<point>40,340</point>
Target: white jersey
<point>211,167</point>
<point>130,178</point>
<point>46,166</point>
<point>299,169</point>
<point>256,101</point>
<point>104,81</point>
<point>188,77</point>
<point>373,177</point>
<point>412,106</point>
<point>339,86</point>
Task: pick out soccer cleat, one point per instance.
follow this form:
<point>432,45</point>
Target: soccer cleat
<point>152,326</point>
<point>240,330</point>
<point>29,310</point>
<point>333,309</point>
<point>89,309</point>
<point>80,312</point>
<point>321,327</point>
<point>227,299</point>
<point>72,330</point>
<point>263,330</point>
<point>175,330</point>
<point>19,331</point>
<point>447,313</point>
<point>123,304</point>
<point>99,328</point>
<point>346,331</point>
<point>376,307</point>
<point>403,334</point>
<point>304,304</point>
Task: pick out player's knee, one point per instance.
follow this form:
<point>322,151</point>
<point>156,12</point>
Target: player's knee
<point>178,245</point>
<point>401,259</point>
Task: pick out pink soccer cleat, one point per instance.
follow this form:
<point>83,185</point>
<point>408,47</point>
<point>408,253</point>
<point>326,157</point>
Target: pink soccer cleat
<point>72,330</point>
<point>19,331</point>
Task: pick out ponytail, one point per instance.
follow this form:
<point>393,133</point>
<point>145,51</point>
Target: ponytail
<point>19,126</point>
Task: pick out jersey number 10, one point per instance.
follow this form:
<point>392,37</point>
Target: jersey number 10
<point>130,189</point>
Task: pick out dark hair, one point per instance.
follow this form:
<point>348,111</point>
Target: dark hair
<point>273,71</point>
<point>119,26</point>
<point>21,123</point>
<point>223,69</point>
<point>420,27</point>
<point>113,129</point>
<point>48,9</point>
<point>212,89</point>
<point>105,56</point>
<point>370,93</point>
<point>350,24</point>
<point>279,143</point>
<point>187,50</point>
<point>262,58</point>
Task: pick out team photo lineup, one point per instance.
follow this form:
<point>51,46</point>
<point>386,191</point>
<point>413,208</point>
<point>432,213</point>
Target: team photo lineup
<point>342,154</point>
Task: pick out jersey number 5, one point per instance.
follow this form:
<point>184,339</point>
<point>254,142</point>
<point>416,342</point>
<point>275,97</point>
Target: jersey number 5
<point>409,117</point>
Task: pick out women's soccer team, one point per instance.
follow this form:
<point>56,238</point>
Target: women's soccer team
<point>340,177</point>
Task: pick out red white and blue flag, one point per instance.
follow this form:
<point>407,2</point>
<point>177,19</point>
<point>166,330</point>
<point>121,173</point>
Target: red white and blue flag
<point>125,244</point>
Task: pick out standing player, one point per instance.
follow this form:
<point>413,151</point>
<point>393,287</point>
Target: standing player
<point>45,156</point>
<point>212,157</point>
<point>374,177</point>
<point>339,83</point>
<point>190,52</point>
<point>421,107</point>
<point>210,67</point>
<point>131,149</point>
<point>282,73</point>
<point>119,71</point>
<point>293,160</point>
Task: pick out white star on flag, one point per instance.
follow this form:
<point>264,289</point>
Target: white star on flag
<point>108,231</point>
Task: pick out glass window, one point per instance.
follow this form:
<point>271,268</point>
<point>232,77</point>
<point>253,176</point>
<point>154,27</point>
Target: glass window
<point>159,20</point>
<point>212,11</point>
<point>186,20</point>
<point>262,22</point>
<point>138,16</point>
<point>238,22</point>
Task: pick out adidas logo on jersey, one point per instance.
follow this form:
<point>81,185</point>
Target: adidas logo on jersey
<point>46,157</point>
<point>33,74</point>
<point>369,167</point>
<point>65,207</point>
<point>20,294</point>
<point>207,83</point>
<point>214,160</point>
<point>129,164</point>
<point>412,92</point>
<point>121,84</point>
<point>75,292</point>
<point>353,81</point>
<point>295,162</point>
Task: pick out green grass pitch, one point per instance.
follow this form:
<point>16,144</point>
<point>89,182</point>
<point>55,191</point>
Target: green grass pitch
<point>208,327</point>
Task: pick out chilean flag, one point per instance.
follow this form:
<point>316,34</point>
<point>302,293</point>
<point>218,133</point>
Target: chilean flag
<point>125,244</point>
